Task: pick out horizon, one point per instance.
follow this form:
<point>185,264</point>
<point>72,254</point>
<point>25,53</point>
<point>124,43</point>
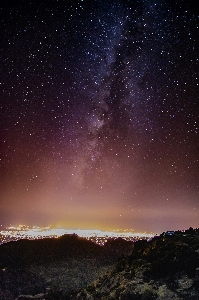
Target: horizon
<point>15,233</point>
<point>24,227</point>
<point>100,237</point>
<point>75,230</point>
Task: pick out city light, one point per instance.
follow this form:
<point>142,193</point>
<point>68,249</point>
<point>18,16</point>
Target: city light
<point>14,233</point>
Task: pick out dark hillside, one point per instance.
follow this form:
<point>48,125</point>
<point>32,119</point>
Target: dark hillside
<point>165,268</point>
<point>69,263</point>
<point>25,252</point>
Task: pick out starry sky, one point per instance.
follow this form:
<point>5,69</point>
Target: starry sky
<point>100,114</point>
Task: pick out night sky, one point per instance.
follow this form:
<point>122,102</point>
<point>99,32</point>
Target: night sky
<point>100,114</point>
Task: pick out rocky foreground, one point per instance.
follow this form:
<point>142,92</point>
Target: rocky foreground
<point>167,267</point>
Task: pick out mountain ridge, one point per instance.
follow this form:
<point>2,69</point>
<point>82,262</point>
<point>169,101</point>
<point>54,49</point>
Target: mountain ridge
<point>164,268</point>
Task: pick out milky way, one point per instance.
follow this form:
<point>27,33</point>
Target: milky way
<point>99,114</point>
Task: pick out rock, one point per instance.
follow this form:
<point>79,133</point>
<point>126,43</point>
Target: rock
<point>185,283</point>
<point>39,296</point>
<point>166,294</point>
<point>24,297</point>
<point>49,290</point>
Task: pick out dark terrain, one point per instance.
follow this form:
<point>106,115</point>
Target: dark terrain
<point>167,267</point>
<point>68,263</point>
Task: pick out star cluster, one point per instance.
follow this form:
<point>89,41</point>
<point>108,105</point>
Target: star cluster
<point>99,124</point>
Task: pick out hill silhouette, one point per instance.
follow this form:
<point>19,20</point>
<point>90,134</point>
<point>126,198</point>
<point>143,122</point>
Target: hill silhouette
<point>25,252</point>
<point>68,262</point>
